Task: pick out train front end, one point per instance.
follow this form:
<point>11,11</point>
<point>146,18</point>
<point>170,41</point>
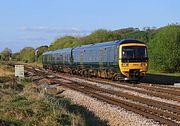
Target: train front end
<point>133,60</point>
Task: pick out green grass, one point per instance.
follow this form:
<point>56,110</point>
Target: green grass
<point>24,108</point>
<point>163,73</point>
<point>23,104</point>
<point>21,110</point>
<point>28,108</point>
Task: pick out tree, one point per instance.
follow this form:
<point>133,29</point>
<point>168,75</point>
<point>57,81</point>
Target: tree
<point>6,54</point>
<point>16,56</point>
<point>39,51</point>
<point>102,35</point>
<point>164,49</point>
<point>27,55</point>
<point>144,36</point>
<point>126,30</point>
<point>63,42</point>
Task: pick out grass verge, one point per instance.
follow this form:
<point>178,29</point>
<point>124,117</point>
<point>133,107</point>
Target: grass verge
<point>23,105</point>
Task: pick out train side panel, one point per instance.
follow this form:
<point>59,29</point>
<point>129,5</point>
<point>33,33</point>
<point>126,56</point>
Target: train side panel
<point>96,56</point>
<point>98,59</point>
<point>58,59</point>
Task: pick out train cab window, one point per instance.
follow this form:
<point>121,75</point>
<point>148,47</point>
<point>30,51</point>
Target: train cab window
<point>128,53</point>
<point>134,52</point>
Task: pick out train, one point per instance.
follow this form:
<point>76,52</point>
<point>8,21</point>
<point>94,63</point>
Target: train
<point>117,60</point>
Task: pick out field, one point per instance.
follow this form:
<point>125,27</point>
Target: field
<point>22,102</point>
<point>5,70</point>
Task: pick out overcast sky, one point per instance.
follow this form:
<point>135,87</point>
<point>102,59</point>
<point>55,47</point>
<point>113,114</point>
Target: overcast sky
<point>39,22</point>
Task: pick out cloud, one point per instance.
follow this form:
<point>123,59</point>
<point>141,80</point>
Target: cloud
<point>55,30</point>
<point>32,38</point>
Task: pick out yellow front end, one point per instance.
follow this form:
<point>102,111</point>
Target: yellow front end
<point>131,67</point>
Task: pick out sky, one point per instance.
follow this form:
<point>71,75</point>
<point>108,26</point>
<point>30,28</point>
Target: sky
<point>33,23</point>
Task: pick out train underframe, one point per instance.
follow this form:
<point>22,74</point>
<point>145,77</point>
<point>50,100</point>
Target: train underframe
<point>113,74</point>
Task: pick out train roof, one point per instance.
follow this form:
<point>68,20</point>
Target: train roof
<point>117,42</point>
<point>62,50</point>
<point>58,51</point>
<point>46,53</point>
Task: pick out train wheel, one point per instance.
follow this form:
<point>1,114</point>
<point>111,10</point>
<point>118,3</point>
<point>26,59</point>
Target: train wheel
<point>110,74</point>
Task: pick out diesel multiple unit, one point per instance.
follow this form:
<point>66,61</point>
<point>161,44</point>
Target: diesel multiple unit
<point>120,60</point>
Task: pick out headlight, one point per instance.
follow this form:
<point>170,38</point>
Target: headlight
<point>143,64</point>
<point>125,64</point>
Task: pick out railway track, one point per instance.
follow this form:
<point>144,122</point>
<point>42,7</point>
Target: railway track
<point>161,105</point>
<point>163,112</point>
<point>159,88</point>
<point>169,87</point>
<point>139,109</point>
<point>136,88</point>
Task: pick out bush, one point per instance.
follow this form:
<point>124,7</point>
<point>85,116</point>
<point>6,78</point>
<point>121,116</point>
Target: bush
<point>64,120</point>
<point>27,55</point>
